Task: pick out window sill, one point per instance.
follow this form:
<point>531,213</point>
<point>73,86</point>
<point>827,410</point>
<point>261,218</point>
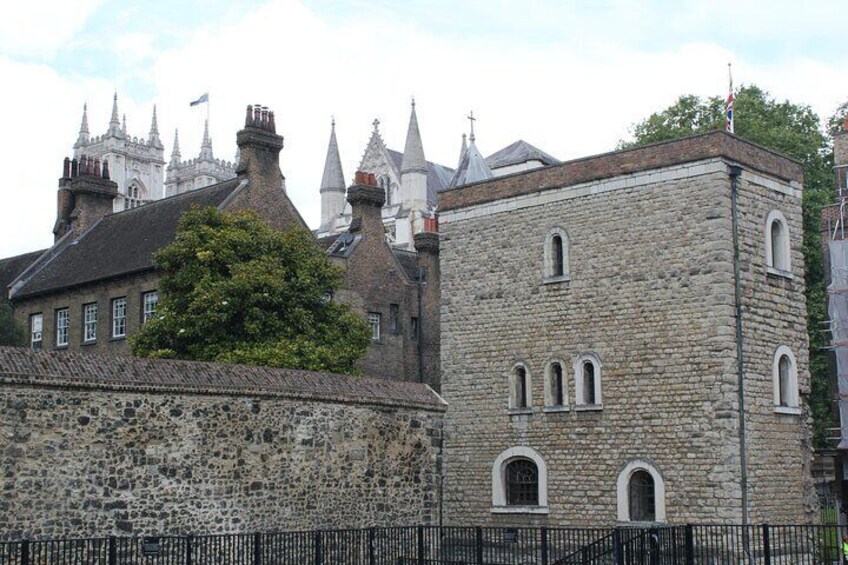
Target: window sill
<point>557,408</point>
<point>87,343</point>
<point>780,273</point>
<point>790,410</point>
<point>520,510</point>
<point>65,346</point>
<point>588,407</point>
<point>520,411</point>
<point>555,280</point>
<point>118,338</point>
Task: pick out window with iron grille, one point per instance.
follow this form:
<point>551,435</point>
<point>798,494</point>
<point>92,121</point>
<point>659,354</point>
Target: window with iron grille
<point>89,315</point>
<point>63,321</point>
<point>394,318</point>
<point>149,301</point>
<point>642,501</point>
<point>374,320</point>
<point>119,317</point>
<point>36,327</point>
<point>522,483</point>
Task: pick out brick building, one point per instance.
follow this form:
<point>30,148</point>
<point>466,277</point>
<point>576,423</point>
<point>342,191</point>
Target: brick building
<point>591,358</point>
<point>97,284</point>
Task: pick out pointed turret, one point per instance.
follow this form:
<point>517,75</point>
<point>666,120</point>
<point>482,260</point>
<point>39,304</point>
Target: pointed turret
<point>114,124</point>
<point>332,183</point>
<point>153,139</point>
<point>206,146</point>
<point>463,149</point>
<point>83,132</point>
<point>413,151</point>
<point>124,125</point>
<point>175,152</point>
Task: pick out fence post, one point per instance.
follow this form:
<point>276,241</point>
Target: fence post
<point>420,540</point>
<point>189,549</point>
<point>617,550</point>
<point>766,546</point>
<point>479,536</point>
<point>25,552</point>
<point>372,558</point>
<point>257,549</point>
<point>113,551</point>
<point>544,546</point>
<point>319,549</point>
<point>690,544</point>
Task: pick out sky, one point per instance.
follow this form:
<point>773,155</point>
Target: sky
<point>570,77</point>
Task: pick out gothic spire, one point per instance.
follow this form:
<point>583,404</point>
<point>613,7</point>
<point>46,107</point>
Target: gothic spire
<point>333,176</point>
<point>153,138</point>
<point>206,145</point>
<point>413,152</point>
<point>463,149</point>
<point>175,152</point>
<point>83,132</point>
<point>114,123</point>
<point>472,166</point>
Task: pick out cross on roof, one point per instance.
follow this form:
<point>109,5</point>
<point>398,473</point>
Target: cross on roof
<point>471,119</point>
<point>376,124</point>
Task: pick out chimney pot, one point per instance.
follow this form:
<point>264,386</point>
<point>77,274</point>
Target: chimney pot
<point>372,180</point>
<point>249,116</point>
<point>66,168</point>
<point>271,124</point>
<point>106,169</point>
<point>74,168</point>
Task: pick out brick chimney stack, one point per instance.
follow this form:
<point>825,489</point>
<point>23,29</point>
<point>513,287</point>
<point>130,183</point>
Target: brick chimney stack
<point>85,195</point>
<point>366,201</point>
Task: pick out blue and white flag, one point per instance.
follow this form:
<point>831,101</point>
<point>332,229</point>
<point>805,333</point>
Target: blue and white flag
<point>203,99</point>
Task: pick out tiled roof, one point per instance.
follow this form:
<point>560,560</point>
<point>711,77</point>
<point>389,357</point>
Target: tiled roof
<point>519,152</point>
<point>122,243</point>
<point>11,267</point>
<point>97,371</point>
<point>409,261</point>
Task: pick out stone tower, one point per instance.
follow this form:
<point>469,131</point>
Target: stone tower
<point>332,184</point>
<point>201,171</point>
<point>136,164</point>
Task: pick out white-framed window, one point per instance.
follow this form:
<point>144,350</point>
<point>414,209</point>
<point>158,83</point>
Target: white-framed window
<point>587,382</point>
<point>36,330</point>
<point>149,302</point>
<point>778,251</point>
<point>640,491</point>
<point>374,319</point>
<point>556,390</point>
<point>89,316</point>
<point>520,482</point>
<point>785,378</point>
<point>119,317</point>
<point>63,322</point>
<point>519,388</point>
<point>556,268</point>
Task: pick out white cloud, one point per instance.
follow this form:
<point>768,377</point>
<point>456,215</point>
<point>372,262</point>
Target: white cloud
<point>38,28</point>
<point>571,98</point>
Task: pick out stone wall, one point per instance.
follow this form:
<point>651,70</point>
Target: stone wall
<point>93,445</point>
<point>651,294</point>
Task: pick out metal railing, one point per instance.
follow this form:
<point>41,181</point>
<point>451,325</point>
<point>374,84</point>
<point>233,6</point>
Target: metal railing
<point>430,545</point>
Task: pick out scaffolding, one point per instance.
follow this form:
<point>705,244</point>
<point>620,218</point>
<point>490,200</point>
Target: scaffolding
<point>837,309</point>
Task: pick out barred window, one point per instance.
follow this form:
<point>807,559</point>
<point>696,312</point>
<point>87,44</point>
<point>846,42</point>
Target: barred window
<point>150,300</point>
<point>119,317</point>
<point>642,498</point>
<point>522,483</point>
<point>63,320</point>
<point>89,314</point>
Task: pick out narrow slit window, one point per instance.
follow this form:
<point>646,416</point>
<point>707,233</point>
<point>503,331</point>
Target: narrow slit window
<point>589,383</point>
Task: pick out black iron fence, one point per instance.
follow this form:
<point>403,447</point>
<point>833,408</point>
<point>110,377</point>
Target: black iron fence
<point>426,545</point>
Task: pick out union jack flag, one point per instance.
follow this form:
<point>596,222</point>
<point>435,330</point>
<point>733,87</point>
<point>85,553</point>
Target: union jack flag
<point>728,113</point>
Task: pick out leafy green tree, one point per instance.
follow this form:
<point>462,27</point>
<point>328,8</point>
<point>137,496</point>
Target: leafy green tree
<point>234,290</point>
<point>794,130</point>
<point>11,332</point>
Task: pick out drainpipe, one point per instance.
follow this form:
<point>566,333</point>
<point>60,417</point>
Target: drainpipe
<point>420,325</point>
<point>735,173</point>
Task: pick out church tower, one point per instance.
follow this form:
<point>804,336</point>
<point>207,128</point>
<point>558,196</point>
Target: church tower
<point>136,164</point>
<point>201,171</point>
<point>332,184</point>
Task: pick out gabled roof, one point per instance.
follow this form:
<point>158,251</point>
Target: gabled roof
<point>438,176</point>
<point>119,244</point>
<point>12,267</point>
<point>519,152</point>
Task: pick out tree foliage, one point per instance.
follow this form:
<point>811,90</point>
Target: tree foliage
<point>794,130</point>
<point>234,290</point>
<point>11,332</point>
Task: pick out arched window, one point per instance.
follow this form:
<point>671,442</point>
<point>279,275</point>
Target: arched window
<point>777,244</point>
<point>556,267</point>
<point>556,390</point>
<point>640,493</point>
<point>785,377</point>
<point>587,381</point>
<point>519,388</point>
<point>135,195</point>
<point>520,482</point>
